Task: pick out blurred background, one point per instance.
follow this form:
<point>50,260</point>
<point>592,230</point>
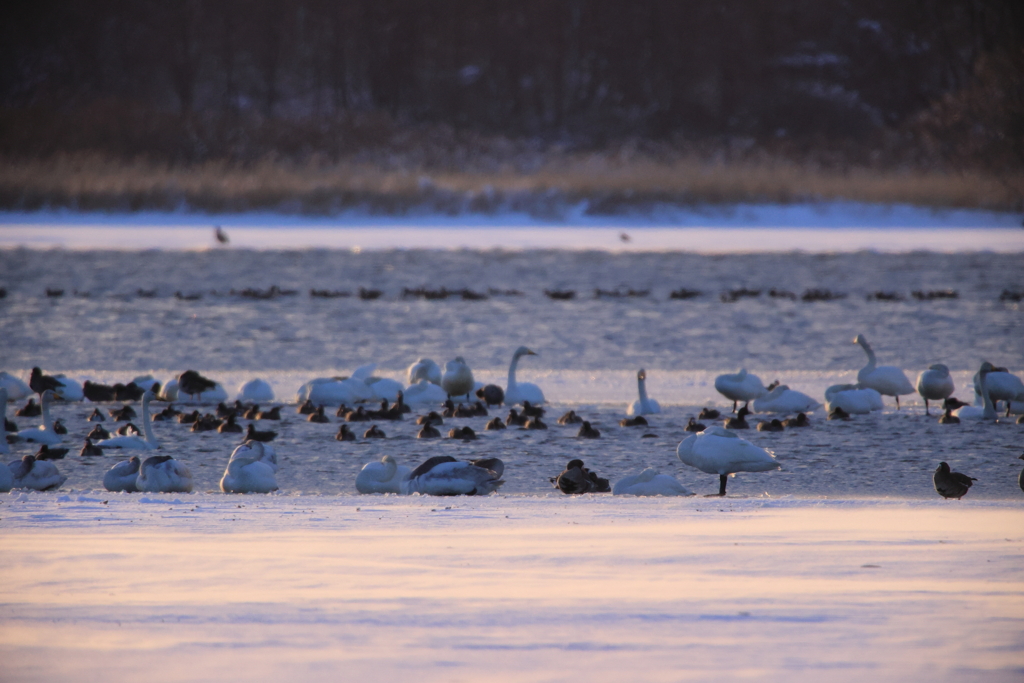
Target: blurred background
<point>451,105</point>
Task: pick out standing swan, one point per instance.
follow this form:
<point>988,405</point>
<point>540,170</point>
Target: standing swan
<point>517,392</point>
<point>740,386</point>
<point>934,384</point>
<point>887,380</point>
<point>643,405</point>
<point>385,476</point>
<point>134,441</point>
<point>719,451</point>
<point>988,412</point>
<point>457,379</point>
<point>163,474</point>
<point>43,434</point>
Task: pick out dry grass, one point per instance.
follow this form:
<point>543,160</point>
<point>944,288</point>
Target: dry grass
<point>611,183</point>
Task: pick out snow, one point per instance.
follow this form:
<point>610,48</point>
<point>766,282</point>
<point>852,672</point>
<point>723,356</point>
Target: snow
<point>383,588</point>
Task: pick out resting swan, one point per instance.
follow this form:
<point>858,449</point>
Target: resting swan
<point>457,379</point>
<point>256,391</point>
<point>39,475</point>
<point>247,472</point>
<point>887,380</point>
<point>122,476</point>
<point>782,399</point>
<point>650,483</point>
<point>426,369</point>
<point>163,474</point>
<point>16,389</point>
<point>988,411</point>
<point>424,391</point>
<point>135,441</point>
<point>265,453</point>
<point>740,386</point>
<point>934,384</point>
<point>718,451</point>
<point>442,475</point>
<point>517,392</point>
<point>43,434</point>
<point>385,476</point>
<point>851,399</point>
<point>643,405</point>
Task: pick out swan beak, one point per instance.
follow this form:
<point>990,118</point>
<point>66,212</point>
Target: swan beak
<point>531,353</point>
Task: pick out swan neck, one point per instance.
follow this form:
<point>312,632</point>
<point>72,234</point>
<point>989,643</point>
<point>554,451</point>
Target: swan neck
<point>390,468</point>
<point>871,355</point>
<point>990,409</point>
<point>147,423</point>
<point>47,422</point>
<point>641,384</point>
<point>512,371</point>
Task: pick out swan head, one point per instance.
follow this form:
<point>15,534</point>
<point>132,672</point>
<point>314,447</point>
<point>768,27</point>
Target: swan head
<point>642,374</point>
<point>523,351</point>
<point>859,339</point>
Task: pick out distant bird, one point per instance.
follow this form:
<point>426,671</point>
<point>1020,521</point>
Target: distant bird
<point>47,453</point>
<point>252,434</point>
<point>643,405</point>
<point>740,421</point>
<point>385,476</point>
<point>30,409</point>
<point>98,393</point>
<point>588,432</point>
<point>530,410</point>
<point>570,418</point>
<point>96,416</point>
<point>98,433</point>
<point>442,475</point>
<point>428,431</point>
<point>694,426</point>
<point>318,416</point>
<point>576,478</point>
<point>272,414</point>
<point>192,383</point>
<point>491,394</point>
<point>89,449</point>
<point>887,380</point>
<point>462,434</point>
<point>650,483</point>
<point>495,423</point>
<point>307,408</point>
<point>799,421</point>
<point>123,414</point>
<point>221,236</point>
<point>838,414</point>
<point>623,237</point>
<point>374,432</point>
<point>719,451</point>
<point>59,428</point>
<point>514,419</point>
<point>30,473</point>
<point>773,426</point>
<point>229,426</point>
<point>535,423</point>
<point>345,434</point>
<point>40,382</point>
<point>951,484</point>
<point>709,414</point>
<point>637,421</point>
<point>521,392</point>
<point>431,418</point>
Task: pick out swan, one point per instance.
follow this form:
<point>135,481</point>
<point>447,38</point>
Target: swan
<point>426,369</point>
<point>384,388</point>
<point>457,379</point>
<point>122,476</point>
<point>69,389</point>
<point>442,475</point>
<point>643,405</point>
<point>988,410</point>
<point>146,383</point>
<point>255,391</point>
<point>259,450</point>
<point>782,399</point>
<point>1002,386</point>
<point>424,391</point>
<point>934,384</point>
<point>887,380</point>
<point>134,441</point>
<point>741,386</point>
<point>852,399</point>
<point>650,483</point>
<point>44,433</point>
<point>516,392</point>
<point>385,476</point>
<point>163,474</point>
<point>169,392</point>
<point>247,472</point>
<point>718,451</point>
<point>16,389</point>
<point>39,475</point>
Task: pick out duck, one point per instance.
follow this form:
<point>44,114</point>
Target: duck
<point>740,421</point>
<point>988,410</point>
<point>123,414</point>
<point>38,475</point>
<point>772,426</point>
<point>463,412</point>
<point>97,392</point>
<point>192,383</point>
<point>400,404</point>
<point>949,484</point>
<point>740,386</point>
<point>709,414</point>
<point>530,410</point>
<point>637,421</point>
<point>357,415</point>
<point>491,394</point>
<point>255,391</point>
<point>577,479</point>
<point>385,476</point>
<point>693,426</point>
<point>123,475</point>
<point>272,414</point>
<point>98,433</point>
<point>514,419</point>
<point>948,418</point>
<point>207,423</point>
<point>588,432</point>
<point>424,392</point>
<point>135,441</point>
<point>374,432</point>
<point>431,418</point>
<point>442,475</point>
<point>518,392</point>
<point>934,384</point>
<point>127,429</point>
<point>318,416</point>
<point>457,379</point>
<point>229,426</point>
<point>650,483</point>
<point>570,418</point>
<point>251,412</point>
<point>535,423</point>
<point>887,380</point>
<point>307,408</point>
<point>782,399</point>
<point>718,451</point>
<point>247,473</point>
<point>58,427</point>
<point>493,424</point>
<point>428,431</point>
<point>30,409</point>
<point>16,388</point>
<point>252,434</point>
<point>344,433</point>
<point>44,433</point>
<point>462,434</point>
<point>96,416</point>
<point>163,474</point>
<point>47,453</point>
<point>799,421</point>
<point>643,405</point>
<point>853,399</point>
<point>89,449</point>
<point>424,369</point>
<point>838,414</point>
<point>449,408</point>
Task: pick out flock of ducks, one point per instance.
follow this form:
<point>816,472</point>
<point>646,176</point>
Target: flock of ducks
<point>253,465</point>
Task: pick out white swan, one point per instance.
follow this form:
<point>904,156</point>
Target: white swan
<point>741,386</point>
<point>70,390</point>
<point>934,384</point>
<point>650,483</point>
<point>719,451</point>
<point>782,399</point>
<point>257,450</point>
<point>247,472</point>
<point>39,475</point>
<point>643,405</point>
<point>1002,386</point>
<point>988,409</point>
<point>44,433</point>
<point>853,400</point>
<point>384,388</point>
<point>256,391</point>
<point>163,474</point>
<point>442,475</point>
<point>134,441</point>
<point>145,382</point>
<point>517,392</point>
<point>385,476</point>
<point>169,391</point>
<point>16,389</point>
<point>887,380</point>
<point>423,392</point>
<point>123,475</point>
<point>457,379</point>
<point>426,369</point>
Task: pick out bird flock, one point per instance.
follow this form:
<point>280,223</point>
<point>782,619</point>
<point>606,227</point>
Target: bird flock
<point>452,392</point>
